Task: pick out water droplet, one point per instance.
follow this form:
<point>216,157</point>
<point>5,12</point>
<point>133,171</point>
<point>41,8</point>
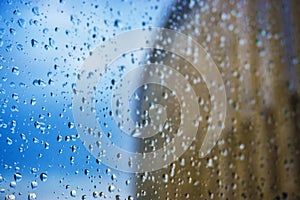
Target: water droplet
<point>71,125</point>
<point>15,70</point>
<point>33,101</point>
<point>9,48</point>
<point>35,140</point>
<point>117,23</point>
<point>119,155</point>
<point>34,43</point>
<point>51,42</point>
<point>13,184</point>
<point>12,31</point>
<point>10,197</point>
<point>50,82</point>
<point>43,177</point>
<point>9,141</point>
<point>17,12</point>
<point>35,10</point>
<point>47,145</point>
<point>15,96</point>
<point>59,138</point>
<point>39,82</point>
<point>165,178</point>
<point>18,177</point>
<point>73,193</point>
<point>130,198</point>
<point>46,47</point>
<point>242,146</point>
<point>113,177</point>
<point>210,163</point>
<point>21,23</point>
<point>31,196</point>
<point>111,188</point>
<point>34,184</point>
<point>20,47</point>
<point>95,194</point>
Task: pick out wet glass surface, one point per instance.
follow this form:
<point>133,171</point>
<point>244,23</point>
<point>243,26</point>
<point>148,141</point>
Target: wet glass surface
<point>46,52</point>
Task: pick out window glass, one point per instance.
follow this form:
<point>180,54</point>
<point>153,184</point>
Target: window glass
<point>149,99</point>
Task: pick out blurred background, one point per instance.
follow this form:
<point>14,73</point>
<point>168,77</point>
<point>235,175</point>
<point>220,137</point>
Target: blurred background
<point>255,45</point>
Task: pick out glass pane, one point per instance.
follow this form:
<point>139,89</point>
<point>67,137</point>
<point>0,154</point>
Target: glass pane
<point>149,99</point>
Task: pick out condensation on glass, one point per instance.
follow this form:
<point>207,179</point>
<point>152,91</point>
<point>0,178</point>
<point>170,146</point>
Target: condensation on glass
<point>255,46</point>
